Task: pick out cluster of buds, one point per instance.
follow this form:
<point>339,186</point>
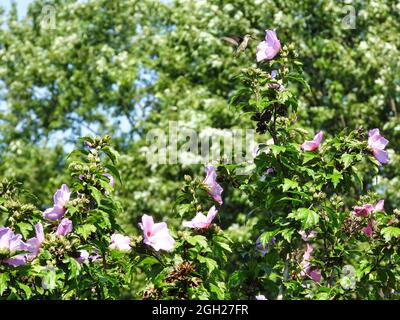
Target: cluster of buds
<point>59,247</point>
<point>96,143</point>
<point>81,200</point>
<point>136,241</point>
<point>18,212</point>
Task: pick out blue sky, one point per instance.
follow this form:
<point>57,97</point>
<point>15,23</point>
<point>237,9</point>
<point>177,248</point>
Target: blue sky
<point>22,6</point>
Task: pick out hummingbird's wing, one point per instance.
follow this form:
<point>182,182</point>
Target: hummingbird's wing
<point>235,40</point>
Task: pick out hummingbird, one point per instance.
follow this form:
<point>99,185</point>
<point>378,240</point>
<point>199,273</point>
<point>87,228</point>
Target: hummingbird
<point>240,42</point>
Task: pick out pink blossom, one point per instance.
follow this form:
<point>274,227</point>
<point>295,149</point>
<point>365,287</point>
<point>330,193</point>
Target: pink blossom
<point>120,242</point>
<point>64,227</point>
<point>12,242</point>
<point>366,209</point>
<point>213,188</point>
<point>62,196</point>
<point>268,49</point>
<point>35,243</point>
<point>313,144</point>
<point>363,211</point>
<point>60,199</point>
<point>156,235</point>
<point>379,206</point>
<point>368,231</point>
<point>200,221</point>
<point>377,143</point>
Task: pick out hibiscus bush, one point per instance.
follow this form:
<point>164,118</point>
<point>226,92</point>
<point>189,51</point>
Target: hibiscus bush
<point>315,229</point>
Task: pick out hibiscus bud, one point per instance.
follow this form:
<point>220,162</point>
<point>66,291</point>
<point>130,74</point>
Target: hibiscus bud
<point>187,178</point>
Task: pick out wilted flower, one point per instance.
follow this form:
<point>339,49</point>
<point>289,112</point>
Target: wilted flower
<point>156,235</point>
<point>64,227</point>
<point>313,144</point>
<point>213,188</point>
<point>60,198</point>
<point>315,274</point>
<point>377,143</point>
<point>264,248</point>
<point>12,242</point>
<point>268,49</point>
<point>200,221</point>
<point>120,242</point>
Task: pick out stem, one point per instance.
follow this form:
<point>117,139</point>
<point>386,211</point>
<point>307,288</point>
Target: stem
<point>272,131</point>
<point>285,276</point>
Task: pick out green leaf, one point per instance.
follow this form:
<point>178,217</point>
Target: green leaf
<point>287,234</point>
<point>111,153</point>
<point>276,149</point>
<point>390,232</point>
<point>236,278</point>
<point>266,237</point>
<point>224,246</point>
<point>308,218</point>
<point>85,230</point>
<point>97,195</point>
<point>26,289</point>
<point>289,184</point>
<point>308,156</point>
<point>335,177</point>
<point>210,263</point>
<point>347,160</point>
<point>148,262</point>
<point>24,228</point>
<point>217,290</point>
<point>200,240</point>
<point>4,278</point>
<point>73,266</point>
